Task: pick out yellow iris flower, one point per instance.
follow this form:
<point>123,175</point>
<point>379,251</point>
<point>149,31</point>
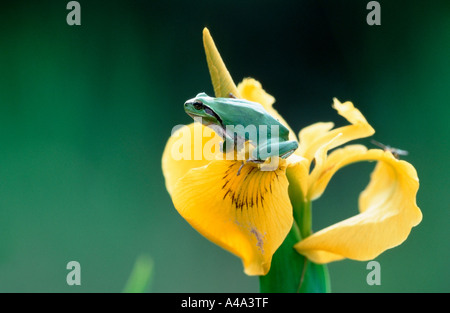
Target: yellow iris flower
<point>251,214</point>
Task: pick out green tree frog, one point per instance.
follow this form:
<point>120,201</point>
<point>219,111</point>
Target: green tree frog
<point>238,121</point>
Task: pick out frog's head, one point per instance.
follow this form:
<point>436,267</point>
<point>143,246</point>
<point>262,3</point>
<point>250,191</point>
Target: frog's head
<point>203,106</point>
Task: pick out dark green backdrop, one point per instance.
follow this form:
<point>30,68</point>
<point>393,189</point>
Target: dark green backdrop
<point>85,112</point>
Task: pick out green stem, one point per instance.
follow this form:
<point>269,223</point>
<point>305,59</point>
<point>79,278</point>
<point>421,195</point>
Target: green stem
<point>301,206</point>
<point>286,267</point>
<point>303,217</point>
<point>291,271</point>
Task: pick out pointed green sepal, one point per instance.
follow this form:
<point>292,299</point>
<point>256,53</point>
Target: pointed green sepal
<point>220,77</point>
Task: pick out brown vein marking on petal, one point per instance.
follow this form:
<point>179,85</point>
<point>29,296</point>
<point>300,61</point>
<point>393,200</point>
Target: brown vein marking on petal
<point>251,170</point>
<point>249,188</point>
<point>227,172</point>
<point>226,193</point>
<point>226,183</point>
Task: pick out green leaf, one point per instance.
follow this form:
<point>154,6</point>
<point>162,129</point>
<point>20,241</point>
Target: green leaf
<point>316,278</point>
<point>291,272</point>
<point>141,276</point>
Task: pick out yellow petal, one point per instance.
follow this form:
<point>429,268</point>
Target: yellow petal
<point>325,168</point>
<point>315,136</point>
<point>189,147</point>
<point>248,215</point>
<point>388,210</point>
<point>297,173</point>
<point>251,89</point>
<point>221,79</point>
<point>309,137</point>
<point>321,167</point>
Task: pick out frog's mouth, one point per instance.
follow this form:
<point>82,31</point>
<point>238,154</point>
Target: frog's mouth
<point>193,115</point>
<point>207,119</point>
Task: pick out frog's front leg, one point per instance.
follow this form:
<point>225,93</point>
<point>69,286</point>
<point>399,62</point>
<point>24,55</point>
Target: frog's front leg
<point>227,145</point>
<point>230,144</point>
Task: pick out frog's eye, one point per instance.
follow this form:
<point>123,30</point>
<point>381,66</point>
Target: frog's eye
<point>198,105</point>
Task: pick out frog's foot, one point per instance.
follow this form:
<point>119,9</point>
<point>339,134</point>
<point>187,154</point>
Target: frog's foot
<point>246,161</point>
<point>240,168</point>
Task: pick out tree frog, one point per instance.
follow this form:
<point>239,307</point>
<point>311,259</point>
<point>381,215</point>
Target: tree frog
<point>239,120</point>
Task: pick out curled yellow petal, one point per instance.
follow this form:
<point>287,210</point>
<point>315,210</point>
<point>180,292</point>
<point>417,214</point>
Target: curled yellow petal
<point>309,136</point>
<point>189,147</point>
<point>221,79</point>
<point>248,214</point>
<point>326,167</point>
<point>316,135</point>
<point>388,210</point>
<point>320,167</point>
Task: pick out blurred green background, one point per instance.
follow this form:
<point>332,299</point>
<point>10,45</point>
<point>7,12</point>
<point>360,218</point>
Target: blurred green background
<point>85,112</point>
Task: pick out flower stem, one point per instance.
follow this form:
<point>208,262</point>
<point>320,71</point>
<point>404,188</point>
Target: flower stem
<point>303,217</point>
<point>291,271</point>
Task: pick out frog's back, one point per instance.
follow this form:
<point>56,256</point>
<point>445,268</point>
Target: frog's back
<point>246,113</point>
